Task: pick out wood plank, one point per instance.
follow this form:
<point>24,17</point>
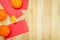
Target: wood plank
<point>47,20</point>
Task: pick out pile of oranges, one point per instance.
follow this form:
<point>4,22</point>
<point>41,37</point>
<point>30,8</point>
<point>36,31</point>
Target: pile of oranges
<point>4,29</point>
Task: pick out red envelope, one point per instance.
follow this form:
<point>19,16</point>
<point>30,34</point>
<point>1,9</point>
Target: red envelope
<point>11,11</point>
<point>17,29</point>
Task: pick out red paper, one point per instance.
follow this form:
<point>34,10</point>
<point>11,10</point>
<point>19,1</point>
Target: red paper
<point>11,11</point>
<point>17,29</point>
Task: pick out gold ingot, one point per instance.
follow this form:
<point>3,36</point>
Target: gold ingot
<point>13,19</point>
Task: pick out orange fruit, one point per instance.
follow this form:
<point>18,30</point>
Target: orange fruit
<point>16,3</point>
<point>3,14</point>
<point>4,30</point>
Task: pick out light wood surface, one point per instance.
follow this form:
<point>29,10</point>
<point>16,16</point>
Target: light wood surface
<point>43,21</point>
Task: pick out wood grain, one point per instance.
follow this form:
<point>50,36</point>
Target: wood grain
<point>47,20</point>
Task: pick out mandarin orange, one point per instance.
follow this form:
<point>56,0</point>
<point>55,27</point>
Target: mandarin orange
<point>3,14</point>
<point>16,3</point>
<point>4,30</point>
